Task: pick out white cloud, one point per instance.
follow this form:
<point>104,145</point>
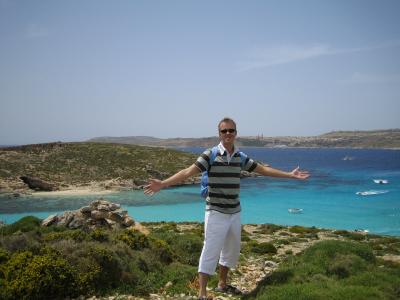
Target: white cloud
<point>278,55</point>
<point>36,31</point>
<point>267,57</point>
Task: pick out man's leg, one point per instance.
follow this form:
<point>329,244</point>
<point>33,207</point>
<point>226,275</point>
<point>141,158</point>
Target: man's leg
<point>231,250</point>
<point>223,276</point>
<point>216,226</point>
<point>203,279</point>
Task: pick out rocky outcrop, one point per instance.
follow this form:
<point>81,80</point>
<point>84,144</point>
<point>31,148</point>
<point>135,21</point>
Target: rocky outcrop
<point>99,213</point>
<point>37,184</point>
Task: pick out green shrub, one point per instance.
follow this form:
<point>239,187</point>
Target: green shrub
<point>25,224</point>
<point>110,269</point>
<point>345,265</point>
<point>99,235</point>
<point>180,275</point>
<point>282,242</point>
<point>331,270</point>
<point>99,266</point>
<point>303,230</point>
<point>351,235</point>
<point>268,228</point>
<point>245,236</point>
<point>186,247</point>
<point>47,276</point>
<point>261,248</point>
<point>162,250</point>
<point>134,239</point>
<point>4,255</point>
<point>170,226</point>
<point>321,253</point>
<point>71,234</point>
<point>21,241</point>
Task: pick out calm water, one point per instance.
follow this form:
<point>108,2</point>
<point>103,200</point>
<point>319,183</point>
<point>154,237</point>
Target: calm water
<point>328,199</point>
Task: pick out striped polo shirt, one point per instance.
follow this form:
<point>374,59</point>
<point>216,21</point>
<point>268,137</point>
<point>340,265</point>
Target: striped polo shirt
<point>224,179</point>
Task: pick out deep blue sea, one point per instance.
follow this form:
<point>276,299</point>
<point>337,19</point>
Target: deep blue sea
<point>328,199</point>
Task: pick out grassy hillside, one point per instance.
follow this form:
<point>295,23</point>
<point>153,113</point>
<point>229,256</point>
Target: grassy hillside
<point>82,163</point>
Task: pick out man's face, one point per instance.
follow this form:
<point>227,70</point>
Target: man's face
<point>227,133</point>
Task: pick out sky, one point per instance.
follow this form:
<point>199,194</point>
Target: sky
<point>74,70</point>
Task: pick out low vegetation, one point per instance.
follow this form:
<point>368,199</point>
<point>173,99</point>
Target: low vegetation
<point>55,262</point>
<point>332,270</point>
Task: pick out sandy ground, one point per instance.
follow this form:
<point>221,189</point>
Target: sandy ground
<point>75,192</point>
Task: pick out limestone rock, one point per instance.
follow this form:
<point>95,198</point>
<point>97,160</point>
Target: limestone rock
<point>99,213</point>
<point>65,218</point>
<point>86,209</point>
<point>49,220</point>
<point>128,221</point>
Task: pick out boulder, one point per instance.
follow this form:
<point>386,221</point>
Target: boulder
<point>37,184</point>
<point>128,221</point>
<point>65,218</point>
<point>99,214</point>
<point>117,215</point>
<point>49,220</point>
<point>77,222</point>
<point>103,207</point>
<point>85,209</point>
<point>114,206</point>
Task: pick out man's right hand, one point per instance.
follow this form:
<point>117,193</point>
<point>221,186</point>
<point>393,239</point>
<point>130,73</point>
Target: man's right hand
<point>153,187</point>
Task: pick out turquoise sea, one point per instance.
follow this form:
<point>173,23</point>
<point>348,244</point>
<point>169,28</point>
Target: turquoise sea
<point>328,199</point>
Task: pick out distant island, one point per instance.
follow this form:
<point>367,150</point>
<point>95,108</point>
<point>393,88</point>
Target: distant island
<point>385,139</point>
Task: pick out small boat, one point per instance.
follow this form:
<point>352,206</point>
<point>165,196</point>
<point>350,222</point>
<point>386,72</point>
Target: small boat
<point>348,158</point>
<point>371,192</point>
<point>381,181</point>
<point>361,230</point>
<point>295,210</point>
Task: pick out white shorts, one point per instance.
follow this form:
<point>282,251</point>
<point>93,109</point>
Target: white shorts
<point>222,235</point>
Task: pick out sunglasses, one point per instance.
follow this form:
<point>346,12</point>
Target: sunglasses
<point>230,130</point>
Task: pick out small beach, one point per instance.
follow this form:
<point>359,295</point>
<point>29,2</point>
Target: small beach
<point>74,192</point>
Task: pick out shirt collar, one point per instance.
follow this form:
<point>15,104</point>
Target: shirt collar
<point>222,149</point>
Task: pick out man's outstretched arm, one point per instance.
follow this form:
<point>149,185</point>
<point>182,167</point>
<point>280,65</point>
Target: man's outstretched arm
<point>268,171</point>
<point>156,185</point>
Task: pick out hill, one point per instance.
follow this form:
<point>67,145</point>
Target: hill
<point>67,165</point>
<point>337,139</point>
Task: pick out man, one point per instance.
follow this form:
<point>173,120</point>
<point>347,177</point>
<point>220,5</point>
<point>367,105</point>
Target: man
<point>222,227</point>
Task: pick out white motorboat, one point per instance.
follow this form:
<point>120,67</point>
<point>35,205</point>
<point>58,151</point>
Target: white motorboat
<point>348,158</point>
<point>381,181</point>
<point>294,210</point>
<point>371,192</point>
